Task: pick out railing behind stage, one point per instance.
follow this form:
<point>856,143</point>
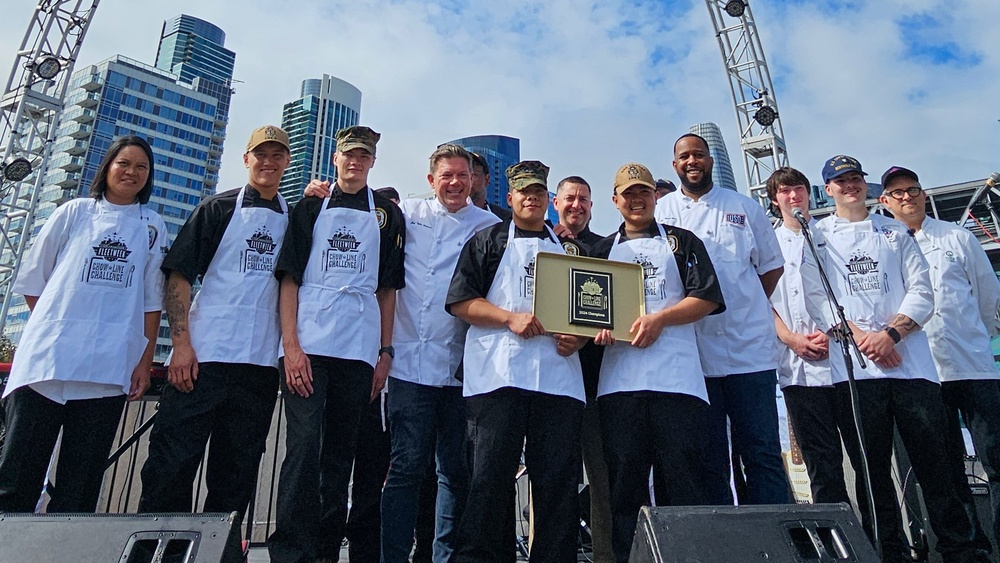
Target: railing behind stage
<point>122,485</point>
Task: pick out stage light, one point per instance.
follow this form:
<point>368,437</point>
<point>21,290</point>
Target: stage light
<point>736,8</point>
<point>765,116</point>
<point>47,67</point>
<point>15,169</point>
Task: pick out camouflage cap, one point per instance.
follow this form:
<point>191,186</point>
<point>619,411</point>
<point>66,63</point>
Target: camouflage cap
<point>633,174</point>
<point>527,173</point>
<point>265,134</point>
<point>357,137</point>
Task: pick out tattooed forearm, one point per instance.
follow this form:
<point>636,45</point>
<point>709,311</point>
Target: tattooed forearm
<point>178,303</point>
<point>904,325</point>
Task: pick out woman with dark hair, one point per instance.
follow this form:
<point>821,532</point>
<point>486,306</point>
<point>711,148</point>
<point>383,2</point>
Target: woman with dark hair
<point>92,282</point>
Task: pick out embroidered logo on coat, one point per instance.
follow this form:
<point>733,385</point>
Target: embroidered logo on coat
<point>738,219</point>
<point>381,216</point>
<point>571,249</point>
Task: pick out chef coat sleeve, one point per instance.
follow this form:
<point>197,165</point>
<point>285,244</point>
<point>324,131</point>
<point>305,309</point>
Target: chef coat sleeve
<point>817,304</point>
<point>469,280</point>
<point>294,254</point>
<point>918,302</point>
<point>696,269</point>
<point>198,240</point>
<point>985,286</point>
<point>766,252</point>
<point>39,262</point>
<point>392,245</point>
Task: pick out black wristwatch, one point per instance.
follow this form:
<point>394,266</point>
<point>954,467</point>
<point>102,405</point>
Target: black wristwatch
<point>893,334</point>
<point>392,351</point>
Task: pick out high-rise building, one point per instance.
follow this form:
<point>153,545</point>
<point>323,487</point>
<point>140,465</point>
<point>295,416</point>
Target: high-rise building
<point>179,117</point>
<point>500,152</point>
<point>722,172</point>
<point>326,105</point>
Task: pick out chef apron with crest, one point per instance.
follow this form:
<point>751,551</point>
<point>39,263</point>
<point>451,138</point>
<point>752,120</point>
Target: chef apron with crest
<point>671,364</point>
<point>338,313</point>
<point>234,318</point>
<point>872,291</point>
<point>87,325</point>
<point>496,357</point>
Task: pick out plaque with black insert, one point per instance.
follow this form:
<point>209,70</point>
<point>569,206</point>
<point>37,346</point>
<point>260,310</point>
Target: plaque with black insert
<point>581,296</point>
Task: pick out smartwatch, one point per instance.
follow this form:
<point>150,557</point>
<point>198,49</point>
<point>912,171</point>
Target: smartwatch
<point>893,334</point>
<point>392,351</point>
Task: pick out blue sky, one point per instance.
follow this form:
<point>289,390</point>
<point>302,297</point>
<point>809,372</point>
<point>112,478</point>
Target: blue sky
<point>588,86</point>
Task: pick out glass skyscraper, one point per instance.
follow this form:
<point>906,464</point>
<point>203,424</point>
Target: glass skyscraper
<point>722,171</point>
<point>180,118</point>
<point>500,152</point>
<point>326,105</point>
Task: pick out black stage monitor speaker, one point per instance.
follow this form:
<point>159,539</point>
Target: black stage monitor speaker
<point>120,538</point>
<point>737,534</point>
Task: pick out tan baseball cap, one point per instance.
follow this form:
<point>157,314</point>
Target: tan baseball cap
<point>633,174</point>
<point>265,134</point>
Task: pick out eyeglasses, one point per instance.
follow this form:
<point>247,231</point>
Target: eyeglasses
<point>912,191</point>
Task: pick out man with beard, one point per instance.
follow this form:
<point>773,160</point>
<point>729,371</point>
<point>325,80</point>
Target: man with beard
<point>738,347</point>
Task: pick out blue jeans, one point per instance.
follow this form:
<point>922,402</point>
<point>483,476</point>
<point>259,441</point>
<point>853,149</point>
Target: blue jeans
<point>748,401</point>
<point>419,416</point>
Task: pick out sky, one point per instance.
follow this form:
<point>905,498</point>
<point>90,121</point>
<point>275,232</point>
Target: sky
<point>589,86</point>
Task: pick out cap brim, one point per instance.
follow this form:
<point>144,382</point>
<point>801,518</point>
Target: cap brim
<point>635,183</point>
<point>526,186</point>
<point>348,146</point>
<point>265,141</point>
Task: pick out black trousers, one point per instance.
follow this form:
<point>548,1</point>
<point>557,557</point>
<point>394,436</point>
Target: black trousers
<point>641,429</point>
<point>548,427</point>
<point>314,478</point>
<point>978,401</point>
<point>232,404</point>
<point>370,457</point>
<point>916,409</point>
<point>817,418</point>
<point>33,424</point>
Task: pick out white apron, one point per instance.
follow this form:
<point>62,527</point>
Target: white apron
<point>338,314</point>
<point>496,357</point>
<point>88,323</point>
<point>234,318</point>
<point>871,293</point>
<point>671,364</point>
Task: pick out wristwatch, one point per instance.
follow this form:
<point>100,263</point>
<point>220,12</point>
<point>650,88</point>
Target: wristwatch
<point>893,334</point>
<point>392,351</point>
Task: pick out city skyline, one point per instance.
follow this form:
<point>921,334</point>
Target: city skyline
<point>589,88</point>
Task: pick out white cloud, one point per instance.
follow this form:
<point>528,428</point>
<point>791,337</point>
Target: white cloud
<point>588,87</point>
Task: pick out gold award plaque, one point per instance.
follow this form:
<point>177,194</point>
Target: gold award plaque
<point>581,296</point>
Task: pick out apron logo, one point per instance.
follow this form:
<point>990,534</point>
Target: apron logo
<point>109,265</point>
<point>736,219</point>
<point>528,281</point>
<point>863,275</point>
<point>259,256</point>
<point>343,252</point>
<point>652,283</point>
<point>571,249</point>
<point>382,217</point>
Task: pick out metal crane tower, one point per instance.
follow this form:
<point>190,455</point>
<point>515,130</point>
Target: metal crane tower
<point>29,115</point>
<point>761,138</point>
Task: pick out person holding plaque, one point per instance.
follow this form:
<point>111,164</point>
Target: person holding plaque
<point>652,399</point>
<point>524,387</point>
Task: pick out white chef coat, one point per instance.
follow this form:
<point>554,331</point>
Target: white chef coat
<point>963,281</point>
<point>241,326</point>
<point>877,271</point>
<point>741,242</point>
<point>788,300</point>
<point>427,340</point>
<point>96,269</point>
<point>495,357</point>
<point>671,363</point>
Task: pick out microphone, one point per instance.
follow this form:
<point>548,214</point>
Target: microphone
<point>799,216</point>
<point>993,180</point>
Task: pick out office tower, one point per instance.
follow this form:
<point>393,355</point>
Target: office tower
<point>325,106</point>
<point>500,152</point>
<point>722,171</point>
<point>179,117</point>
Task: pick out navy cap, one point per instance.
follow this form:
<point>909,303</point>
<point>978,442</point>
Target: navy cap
<point>839,165</point>
<point>897,171</point>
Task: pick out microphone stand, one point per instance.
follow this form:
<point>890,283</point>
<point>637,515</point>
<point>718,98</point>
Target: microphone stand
<point>847,345</point>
